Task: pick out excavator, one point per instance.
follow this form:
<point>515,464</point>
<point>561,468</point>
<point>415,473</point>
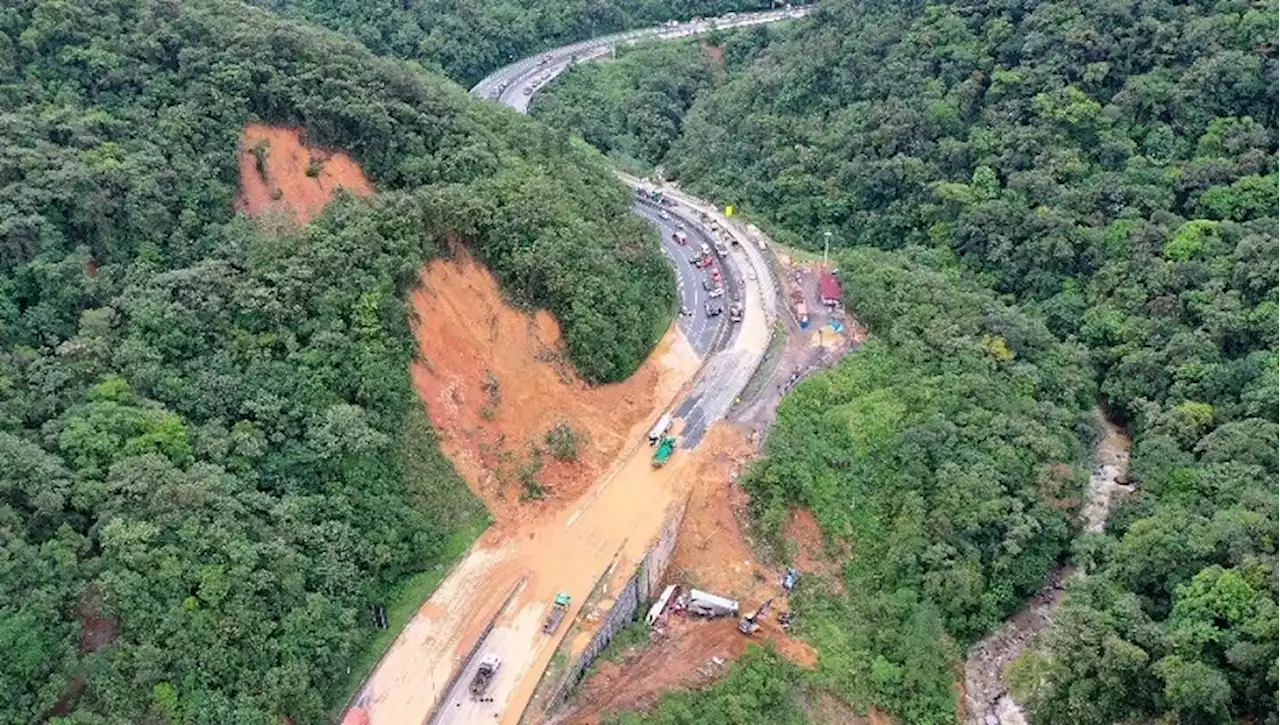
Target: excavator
<point>750,624</point>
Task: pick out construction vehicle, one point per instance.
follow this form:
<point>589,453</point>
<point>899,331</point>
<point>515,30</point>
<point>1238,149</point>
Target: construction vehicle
<point>556,615</point>
<point>484,675</point>
<point>665,449</point>
<point>750,624</point>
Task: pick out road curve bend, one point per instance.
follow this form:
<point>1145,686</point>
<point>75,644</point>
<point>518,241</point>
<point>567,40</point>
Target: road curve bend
<point>424,675</point>
<point>728,359</point>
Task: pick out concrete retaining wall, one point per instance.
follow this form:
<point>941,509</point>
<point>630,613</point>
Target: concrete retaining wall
<point>643,585</point>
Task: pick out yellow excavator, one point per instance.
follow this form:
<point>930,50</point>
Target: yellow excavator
<point>750,624</point>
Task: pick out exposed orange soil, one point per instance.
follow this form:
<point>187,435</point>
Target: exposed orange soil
<point>712,553</point>
<point>495,382</point>
<point>681,657</point>
<point>716,54</point>
<point>810,548</point>
<point>283,184</point>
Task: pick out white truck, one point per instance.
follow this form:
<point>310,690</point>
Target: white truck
<point>659,429</point>
<point>709,605</point>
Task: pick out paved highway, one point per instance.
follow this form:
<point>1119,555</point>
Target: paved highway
<point>515,84</point>
<point>424,674</point>
<point>705,334</point>
<point>723,378</point>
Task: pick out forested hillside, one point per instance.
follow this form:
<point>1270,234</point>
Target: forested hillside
<point>1108,168</point>
<point>944,455</point>
<point>634,107</point>
<point>466,41</point>
<point>213,460</point>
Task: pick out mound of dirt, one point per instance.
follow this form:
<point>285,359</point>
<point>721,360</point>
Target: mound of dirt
<point>279,173</point>
<point>712,553</point>
<point>496,384</point>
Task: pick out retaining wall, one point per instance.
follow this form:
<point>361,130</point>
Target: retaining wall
<point>642,586</point>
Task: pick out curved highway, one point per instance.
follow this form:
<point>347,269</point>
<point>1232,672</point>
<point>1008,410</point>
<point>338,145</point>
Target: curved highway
<point>729,357</point>
<point>425,674</point>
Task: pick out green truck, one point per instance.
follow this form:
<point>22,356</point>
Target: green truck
<point>558,609</point>
<point>665,449</point>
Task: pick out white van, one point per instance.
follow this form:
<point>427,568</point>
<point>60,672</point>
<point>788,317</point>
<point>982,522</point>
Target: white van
<point>660,429</point>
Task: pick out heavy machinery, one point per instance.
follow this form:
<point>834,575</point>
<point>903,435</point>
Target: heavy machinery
<point>554,617</point>
<point>484,675</point>
<point>750,624</point>
<point>665,449</point>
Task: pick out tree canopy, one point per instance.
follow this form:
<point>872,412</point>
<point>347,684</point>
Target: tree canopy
<point>467,41</point>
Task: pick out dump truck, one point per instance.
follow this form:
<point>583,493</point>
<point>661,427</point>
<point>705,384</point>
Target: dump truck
<point>665,449</point>
<point>484,675</point>
<point>556,615</point>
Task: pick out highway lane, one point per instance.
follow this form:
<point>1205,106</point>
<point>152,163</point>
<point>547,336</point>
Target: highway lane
<point>415,681</point>
<point>705,334</point>
<point>515,85</point>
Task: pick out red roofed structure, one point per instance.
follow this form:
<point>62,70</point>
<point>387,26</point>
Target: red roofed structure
<point>829,288</point>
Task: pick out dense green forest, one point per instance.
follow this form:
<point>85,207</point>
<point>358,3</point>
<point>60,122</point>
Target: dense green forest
<point>213,458</point>
<point>467,41</point>
<point>633,108</point>
<point>1108,168</point>
<point>942,454</point>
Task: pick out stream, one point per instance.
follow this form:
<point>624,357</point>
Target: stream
<point>986,695</point>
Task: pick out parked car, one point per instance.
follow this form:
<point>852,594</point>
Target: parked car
<point>717,292</point>
<point>708,285</point>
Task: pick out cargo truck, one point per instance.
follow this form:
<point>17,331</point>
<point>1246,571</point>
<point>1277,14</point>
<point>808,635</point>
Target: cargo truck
<point>659,429</point>
<point>484,675</point>
<point>554,617</point>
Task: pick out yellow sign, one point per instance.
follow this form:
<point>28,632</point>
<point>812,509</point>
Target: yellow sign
<point>728,210</point>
